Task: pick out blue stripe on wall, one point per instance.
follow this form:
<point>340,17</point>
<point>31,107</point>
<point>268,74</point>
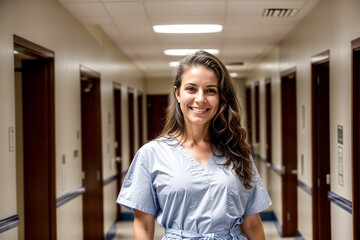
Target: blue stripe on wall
<point>9,223</point>
<point>340,201</point>
<point>305,187</point>
<point>110,179</point>
<point>69,196</point>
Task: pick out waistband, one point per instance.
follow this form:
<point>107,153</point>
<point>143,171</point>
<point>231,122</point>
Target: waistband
<point>233,233</point>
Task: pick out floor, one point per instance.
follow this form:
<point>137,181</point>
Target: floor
<point>124,231</point>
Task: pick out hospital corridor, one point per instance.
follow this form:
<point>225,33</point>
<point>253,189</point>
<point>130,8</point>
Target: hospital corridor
<point>85,84</point>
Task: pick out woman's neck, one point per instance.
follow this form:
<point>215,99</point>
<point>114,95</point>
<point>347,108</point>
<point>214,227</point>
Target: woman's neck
<point>195,135</point>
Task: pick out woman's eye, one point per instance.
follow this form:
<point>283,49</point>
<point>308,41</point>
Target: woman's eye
<point>212,91</point>
<point>191,89</point>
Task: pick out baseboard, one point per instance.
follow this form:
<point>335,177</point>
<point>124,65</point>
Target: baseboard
<point>128,216</point>
<point>110,235</point>
<point>268,216</point>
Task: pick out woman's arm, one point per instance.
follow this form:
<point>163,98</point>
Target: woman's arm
<point>144,226</point>
<point>252,227</point>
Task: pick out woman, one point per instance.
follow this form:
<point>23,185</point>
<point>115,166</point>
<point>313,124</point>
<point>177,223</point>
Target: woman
<point>197,179</point>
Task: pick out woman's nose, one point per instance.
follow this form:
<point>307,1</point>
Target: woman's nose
<point>200,97</point>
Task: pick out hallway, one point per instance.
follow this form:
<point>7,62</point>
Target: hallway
<point>75,107</point>
<point>124,231</point>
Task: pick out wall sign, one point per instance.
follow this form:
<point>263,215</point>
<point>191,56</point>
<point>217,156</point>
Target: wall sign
<point>303,116</point>
<point>340,166</point>
<point>340,134</point>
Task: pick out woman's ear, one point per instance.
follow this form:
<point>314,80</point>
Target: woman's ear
<point>176,93</point>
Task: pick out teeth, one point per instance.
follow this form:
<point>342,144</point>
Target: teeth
<point>199,109</point>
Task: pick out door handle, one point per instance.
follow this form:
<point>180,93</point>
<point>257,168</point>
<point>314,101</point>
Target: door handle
<point>98,175</point>
<point>328,179</point>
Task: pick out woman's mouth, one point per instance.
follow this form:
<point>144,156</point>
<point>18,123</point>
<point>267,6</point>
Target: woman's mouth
<point>199,110</point>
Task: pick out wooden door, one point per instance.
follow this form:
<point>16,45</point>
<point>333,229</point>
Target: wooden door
<point>93,219</point>
<point>321,146</point>
<point>356,135</point>
<point>257,112</point>
<point>38,123</point>
<point>156,111</point>
<point>268,120</point>
<point>248,114</point>
<point>118,134</point>
<point>140,119</point>
<point>289,152</point>
<point>131,120</point>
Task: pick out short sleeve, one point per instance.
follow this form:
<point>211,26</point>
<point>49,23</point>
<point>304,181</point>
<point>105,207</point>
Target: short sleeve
<point>137,190</point>
<point>259,199</point>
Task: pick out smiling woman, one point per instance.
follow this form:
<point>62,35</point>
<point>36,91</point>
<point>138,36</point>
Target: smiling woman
<point>197,178</point>
<point>198,97</point>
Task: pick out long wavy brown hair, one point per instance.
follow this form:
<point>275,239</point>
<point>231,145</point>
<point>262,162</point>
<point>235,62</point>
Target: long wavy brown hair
<point>225,131</point>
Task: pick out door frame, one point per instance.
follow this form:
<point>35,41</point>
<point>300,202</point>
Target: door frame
<point>39,176</point>
<point>289,152</point>
<point>320,222</point>
<point>355,45</point>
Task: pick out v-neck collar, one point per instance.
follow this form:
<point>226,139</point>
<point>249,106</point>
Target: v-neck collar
<point>187,155</point>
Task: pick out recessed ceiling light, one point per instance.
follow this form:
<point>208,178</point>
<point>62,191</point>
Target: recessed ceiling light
<point>183,52</point>
<point>188,28</point>
<point>174,64</point>
<point>234,74</point>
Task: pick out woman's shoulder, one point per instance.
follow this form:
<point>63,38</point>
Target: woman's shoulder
<point>161,143</point>
<point>155,151</point>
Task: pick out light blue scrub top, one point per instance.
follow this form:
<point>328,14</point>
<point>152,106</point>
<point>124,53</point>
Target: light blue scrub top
<point>188,200</point>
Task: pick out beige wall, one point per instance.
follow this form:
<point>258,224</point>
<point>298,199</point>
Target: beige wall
<point>269,67</point>
<point>48,24</point>
<point>156,86</point>
<point>330,26</point>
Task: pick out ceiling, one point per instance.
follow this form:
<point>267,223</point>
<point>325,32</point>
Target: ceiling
<point>246,37</point>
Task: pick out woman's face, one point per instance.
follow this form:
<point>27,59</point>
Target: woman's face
<point>198,95</point>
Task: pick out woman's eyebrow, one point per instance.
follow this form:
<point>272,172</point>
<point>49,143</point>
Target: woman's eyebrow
<point>191,84</point>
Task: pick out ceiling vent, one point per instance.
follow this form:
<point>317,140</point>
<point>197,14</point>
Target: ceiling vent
<point>279,12</point>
